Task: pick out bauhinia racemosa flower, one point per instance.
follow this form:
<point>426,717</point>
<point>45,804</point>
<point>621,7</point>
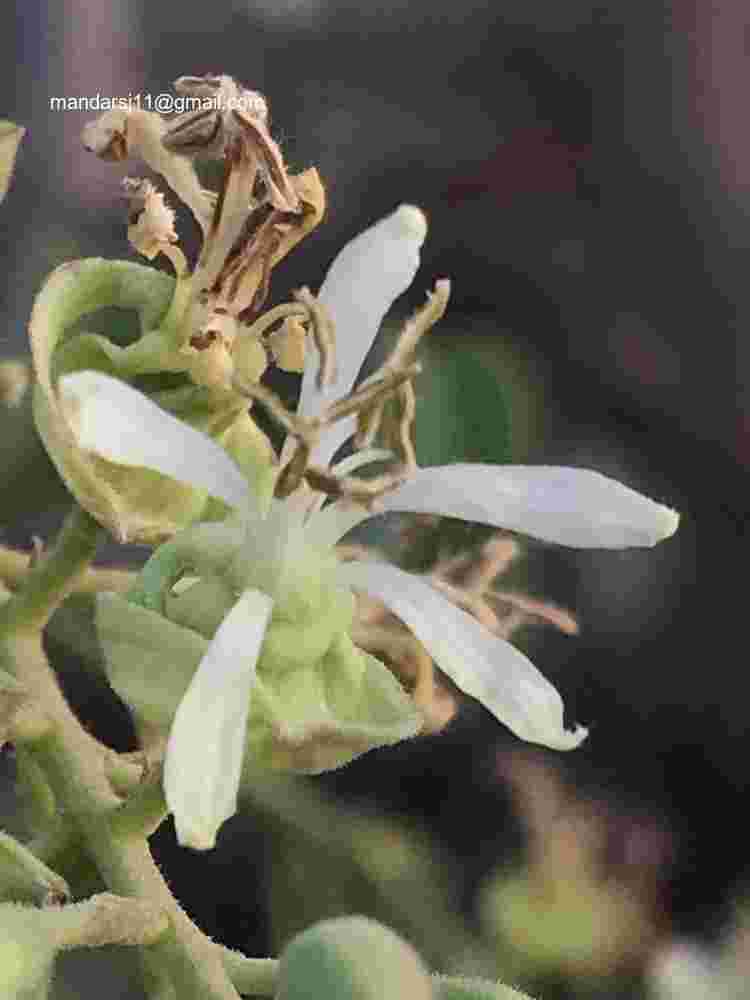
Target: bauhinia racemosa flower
<point>242,627</point>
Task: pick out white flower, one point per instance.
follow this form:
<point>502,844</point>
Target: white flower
<point>565,505</point>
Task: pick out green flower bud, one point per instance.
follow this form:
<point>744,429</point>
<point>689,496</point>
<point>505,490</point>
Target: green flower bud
<point>135,504</point>
<point>351,958</point>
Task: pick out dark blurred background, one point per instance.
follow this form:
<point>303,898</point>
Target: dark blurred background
<point>586,171</point>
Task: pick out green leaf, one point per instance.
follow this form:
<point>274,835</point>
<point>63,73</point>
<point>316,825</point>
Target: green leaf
<point>462,411</point>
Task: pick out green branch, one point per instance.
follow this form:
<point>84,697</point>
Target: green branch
<point>50,581</point>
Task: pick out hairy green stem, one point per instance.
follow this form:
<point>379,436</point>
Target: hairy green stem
<point>252,977</point>
<point>49,582</point>
<point>76,767</point>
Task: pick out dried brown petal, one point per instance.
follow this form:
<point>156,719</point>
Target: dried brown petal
<point>151,220</point>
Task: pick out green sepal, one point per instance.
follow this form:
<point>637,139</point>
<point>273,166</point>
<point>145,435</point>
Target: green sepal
<point>317,702</point>
<point>322,715</point>
<point>202,548</point>
<point>149,660</point>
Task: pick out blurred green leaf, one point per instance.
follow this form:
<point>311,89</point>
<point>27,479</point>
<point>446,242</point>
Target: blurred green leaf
<point>30,483</point>
<point>326,860</point>
<point>462,409</point>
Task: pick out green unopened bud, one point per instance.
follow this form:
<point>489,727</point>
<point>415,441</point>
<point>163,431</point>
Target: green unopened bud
<point>27,952</point>
<point>24,878</point>
<point>135,504</point>
<point>351,958</point>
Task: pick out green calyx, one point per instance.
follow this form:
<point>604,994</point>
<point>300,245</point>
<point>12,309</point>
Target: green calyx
<point>318,701</point>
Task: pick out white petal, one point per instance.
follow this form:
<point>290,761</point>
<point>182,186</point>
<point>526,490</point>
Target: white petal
<point>481,664</point>
<point>122,425</point>
<point>207,740</point>
<point>362,283</point>
<point>576,507</point>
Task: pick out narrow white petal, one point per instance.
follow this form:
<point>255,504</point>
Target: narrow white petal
<point>207,740</point>
<point>576,507</point>
<point>481,664</point>
<point>118,423</point>
<point>362,283</point>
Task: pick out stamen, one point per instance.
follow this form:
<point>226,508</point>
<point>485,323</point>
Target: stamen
<point>275,315</point>
<point>302,429</point>
<point>397,429</point>
<point>533,610</point>
<point>364,491</point>
<point>321,327</point>
<point>369,419</point>
<point>293,473</point>
<point>473,603</point>
<point>419,324</point>
<point>287,345</point>
<point>370,392</point>
<point>398,433</point>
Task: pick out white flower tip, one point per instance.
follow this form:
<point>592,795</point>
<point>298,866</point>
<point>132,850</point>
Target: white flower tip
<point>570,740</point>
<point>669,521</point>
<point>412,222</point>
<point>197,839</point>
